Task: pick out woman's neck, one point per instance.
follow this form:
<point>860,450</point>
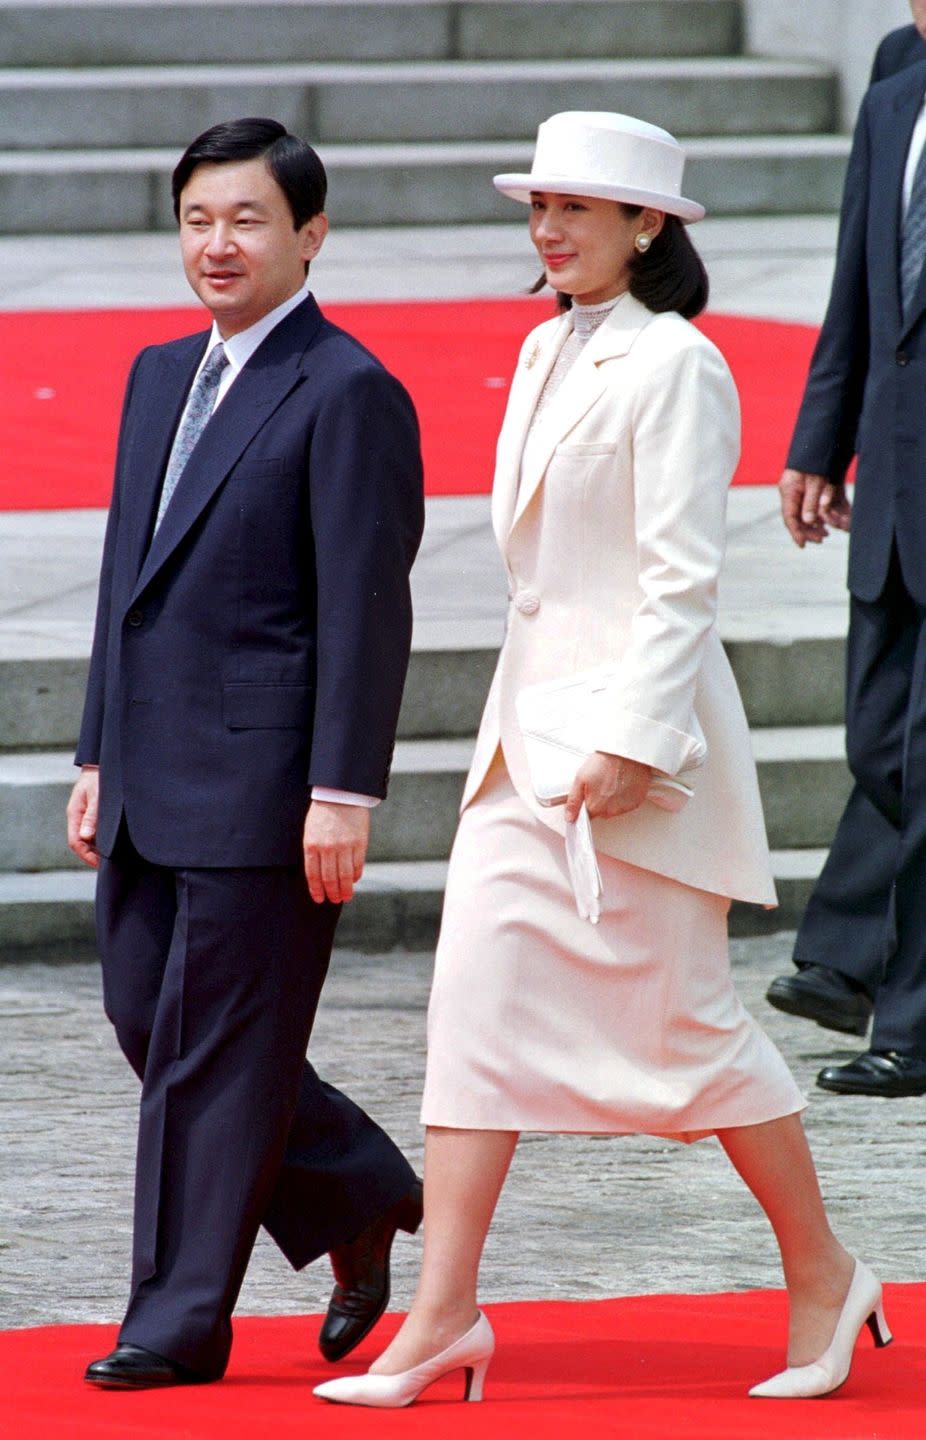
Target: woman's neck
<point>587,318</point>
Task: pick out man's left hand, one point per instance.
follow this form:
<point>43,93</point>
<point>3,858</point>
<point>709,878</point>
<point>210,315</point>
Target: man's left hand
<point>334,849</point>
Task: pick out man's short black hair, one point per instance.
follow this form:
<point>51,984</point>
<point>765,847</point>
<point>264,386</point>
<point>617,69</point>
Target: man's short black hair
<point>292,162</point>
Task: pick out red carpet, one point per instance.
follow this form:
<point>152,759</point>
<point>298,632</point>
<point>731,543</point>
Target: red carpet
<point>650,1368</point>
<point>62,374</point>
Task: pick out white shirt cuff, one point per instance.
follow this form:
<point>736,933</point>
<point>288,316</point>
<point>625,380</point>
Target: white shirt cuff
<point>343,797</point>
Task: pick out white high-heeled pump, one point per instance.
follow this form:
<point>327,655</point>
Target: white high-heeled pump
<point>862,1306</point>
<point>471,1353</point>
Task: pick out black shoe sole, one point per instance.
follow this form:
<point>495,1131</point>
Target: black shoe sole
<point>806,1007</point>
<point>116,1384</point>
<point>900,1093</point>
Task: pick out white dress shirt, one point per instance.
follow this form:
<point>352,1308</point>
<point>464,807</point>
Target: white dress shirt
<point>239,349</point>
<point>917,141</point>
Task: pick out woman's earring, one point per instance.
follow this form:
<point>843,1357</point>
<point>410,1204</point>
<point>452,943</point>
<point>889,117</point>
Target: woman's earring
<point>643,242</point>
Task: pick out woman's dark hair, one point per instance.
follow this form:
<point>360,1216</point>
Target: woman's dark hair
<point>292,162</point>
<point>669,276</point>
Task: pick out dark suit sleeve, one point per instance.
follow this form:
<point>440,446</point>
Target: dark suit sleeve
<point>367,518</point>
<point>883,62</point>
<point>897,50</point>
<point>825,434</point>
<point>91,728</point>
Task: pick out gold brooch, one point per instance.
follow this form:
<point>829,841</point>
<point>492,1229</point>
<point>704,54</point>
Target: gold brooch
<point>533,356</point>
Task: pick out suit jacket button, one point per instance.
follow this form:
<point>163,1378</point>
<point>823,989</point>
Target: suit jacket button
<point>135,618</point>
<point>527,601</point>
<point>902,357</point>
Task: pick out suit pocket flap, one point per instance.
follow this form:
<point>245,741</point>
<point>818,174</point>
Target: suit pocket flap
<point>580,448</point>
<point>267,707</point>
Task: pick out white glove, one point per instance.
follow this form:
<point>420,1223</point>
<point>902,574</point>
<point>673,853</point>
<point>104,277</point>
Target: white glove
<point>583,869</point>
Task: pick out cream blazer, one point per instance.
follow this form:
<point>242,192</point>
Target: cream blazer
<point>613,535</point>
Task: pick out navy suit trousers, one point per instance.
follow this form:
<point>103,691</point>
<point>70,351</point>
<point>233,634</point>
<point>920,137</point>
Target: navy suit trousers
<point>886,746</point>
<point>211,979</point>
<point>847,923</point>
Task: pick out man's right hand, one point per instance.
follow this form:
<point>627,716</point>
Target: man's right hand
<point>82,811</point>
<point>810,504</point>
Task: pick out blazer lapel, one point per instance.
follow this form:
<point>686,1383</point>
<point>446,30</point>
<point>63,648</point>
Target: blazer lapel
<point>164,400</point>
<point>583,385</point>
<point>529,379</point>
<point>889,169</point>
<point>264,382</point>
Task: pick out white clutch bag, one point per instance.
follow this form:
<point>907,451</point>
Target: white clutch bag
<point>562,722</point>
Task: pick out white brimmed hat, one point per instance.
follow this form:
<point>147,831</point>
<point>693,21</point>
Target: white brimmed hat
<point>608,156</point>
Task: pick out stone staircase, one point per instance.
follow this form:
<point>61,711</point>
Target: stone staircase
<point>413,104</point>
<point>791,693</point>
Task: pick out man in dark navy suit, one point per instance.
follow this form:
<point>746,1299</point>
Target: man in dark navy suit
<point>252,638</point>
<point>846,932</point>
<point>864,933</point>
<point>902,47</point>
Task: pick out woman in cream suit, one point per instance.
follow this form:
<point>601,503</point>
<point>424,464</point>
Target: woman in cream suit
<point>618,445</point>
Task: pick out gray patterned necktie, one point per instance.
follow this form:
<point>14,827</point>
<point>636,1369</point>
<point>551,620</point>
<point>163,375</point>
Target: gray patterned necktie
<point>199,408</point>
<point>913,242</point>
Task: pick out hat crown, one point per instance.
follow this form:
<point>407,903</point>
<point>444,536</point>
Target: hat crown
<point>600,148</point>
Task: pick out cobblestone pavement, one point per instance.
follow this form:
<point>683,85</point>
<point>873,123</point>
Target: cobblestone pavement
<point>579,1218</point>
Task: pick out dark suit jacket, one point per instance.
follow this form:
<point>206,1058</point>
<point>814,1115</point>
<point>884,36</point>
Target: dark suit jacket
<point>897,50</point>
<point>866,392</point>
<point>259,646</point>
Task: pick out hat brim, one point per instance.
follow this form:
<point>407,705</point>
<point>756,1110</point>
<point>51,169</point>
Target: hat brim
<point>521,187</point>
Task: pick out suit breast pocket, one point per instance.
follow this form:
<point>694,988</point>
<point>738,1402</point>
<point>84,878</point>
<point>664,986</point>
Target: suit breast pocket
<point>582,450</point>
<point>267,707</point>
<point>261,487</point>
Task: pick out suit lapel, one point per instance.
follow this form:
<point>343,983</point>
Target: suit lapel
<point>582,387</point>
<point>534,367</point>
<point>264,382</point>
<point>165,396</point>
<point>889,167</point>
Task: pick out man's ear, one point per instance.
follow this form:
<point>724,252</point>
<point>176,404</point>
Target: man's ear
<point>313,235</point>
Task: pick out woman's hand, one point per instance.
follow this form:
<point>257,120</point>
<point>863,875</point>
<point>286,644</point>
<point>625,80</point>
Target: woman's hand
<point>609,785</point>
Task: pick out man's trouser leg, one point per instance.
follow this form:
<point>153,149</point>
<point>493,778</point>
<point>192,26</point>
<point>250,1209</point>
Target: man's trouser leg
<point>212,978</point>
<point>886,743</point>
<point>848,923</point>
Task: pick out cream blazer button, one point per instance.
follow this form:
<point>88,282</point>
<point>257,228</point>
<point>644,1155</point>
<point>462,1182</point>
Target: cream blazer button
<point>527,602</point>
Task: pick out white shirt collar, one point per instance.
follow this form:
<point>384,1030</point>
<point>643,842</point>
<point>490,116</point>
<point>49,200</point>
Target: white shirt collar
<point>239,348</point>
<point>917,142</point>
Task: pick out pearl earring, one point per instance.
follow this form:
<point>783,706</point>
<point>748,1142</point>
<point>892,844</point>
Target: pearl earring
<point>643,242</point>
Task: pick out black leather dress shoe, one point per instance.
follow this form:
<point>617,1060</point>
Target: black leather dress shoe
<point>129,1367</point>
<point>877,1072</point>
<point>816,992</point>
<point>361,1270</point>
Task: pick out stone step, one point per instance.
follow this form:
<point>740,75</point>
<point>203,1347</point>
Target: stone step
<point>55,192</point>
<point>796,684</point>
<point>402,102</point>
<point>50,915</point>
<point>417,824</point>
<point>802,775</point>
<point>805,783</point>
<point>85,32</point>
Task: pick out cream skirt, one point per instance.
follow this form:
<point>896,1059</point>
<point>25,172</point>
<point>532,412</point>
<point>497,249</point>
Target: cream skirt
<point>541,1021</point>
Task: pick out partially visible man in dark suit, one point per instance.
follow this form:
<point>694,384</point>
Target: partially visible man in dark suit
<point>846,932</point>
<point>252,639</point>
<point>865,396</point>
<point>902,47</point>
